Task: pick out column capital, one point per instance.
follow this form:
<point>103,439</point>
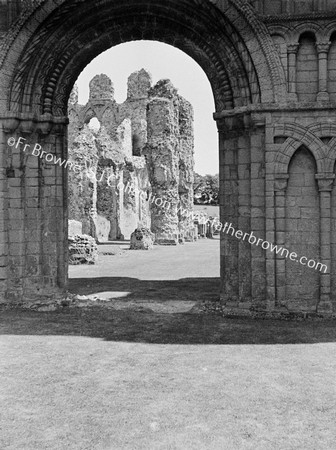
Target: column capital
<point>31,123</point>
<point>240,122</point>
<point>281,182</point>
<point>323,47</point>
<point>293,48</point>
<point>325,181</point>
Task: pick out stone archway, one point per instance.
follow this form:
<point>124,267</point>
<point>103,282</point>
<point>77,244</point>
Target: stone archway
<point>43,56</point>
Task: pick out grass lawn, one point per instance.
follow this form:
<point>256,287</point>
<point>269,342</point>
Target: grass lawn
<point>122,379</point>
<point>210,210</point>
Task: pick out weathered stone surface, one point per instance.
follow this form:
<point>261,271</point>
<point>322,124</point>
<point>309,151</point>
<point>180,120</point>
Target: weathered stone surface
<point>139,83</point>
<point>169,153</point>
<point>82,249</point>
<point>186,169</point>
<point>131,178</point>
<point>113,212</point>
<point>75,227</point>
<point>73,99</point>
<point>103,228</point>
<point>81,185</point>
<point>142,239</point>
<point>101,88</point>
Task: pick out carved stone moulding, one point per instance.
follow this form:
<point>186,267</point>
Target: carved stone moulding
<point>280,182</point>
<point>239,122</point>
<point>325,181</point>
<point>28,123</point>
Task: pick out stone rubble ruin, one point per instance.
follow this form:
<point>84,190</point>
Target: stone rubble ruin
<point>82,249</point>
<point>142,239</point>
<point>137,161</point>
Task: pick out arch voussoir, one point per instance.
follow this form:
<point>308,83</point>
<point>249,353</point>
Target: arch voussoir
<point>232,61</point>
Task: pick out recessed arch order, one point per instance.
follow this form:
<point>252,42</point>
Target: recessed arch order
<point>40,59</point>
<point>223,37</point>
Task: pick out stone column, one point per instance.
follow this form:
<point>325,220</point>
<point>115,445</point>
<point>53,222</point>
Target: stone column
<point>292,50</point>
<point>229,130</point>
<point>37,221</point>
<point>325,184</point>
<point>120,194</point>
<point>5,173</point>
<point>322,51</point>
<point>280,186</point>
<point>52,213</point>
<point>61,208</point>
<point>270,210</point>
<point>258,211</point>
<point>244,218</point>
<point>242,182</point>
<point>19,187</point>
<point>162,156</point>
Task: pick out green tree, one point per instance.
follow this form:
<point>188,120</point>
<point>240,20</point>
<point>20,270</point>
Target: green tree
<point>206,189</point>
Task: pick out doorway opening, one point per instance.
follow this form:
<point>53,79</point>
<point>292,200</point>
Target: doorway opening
<point>125,120</point>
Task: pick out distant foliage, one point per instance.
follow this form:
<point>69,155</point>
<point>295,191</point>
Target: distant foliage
<point>206,189</point>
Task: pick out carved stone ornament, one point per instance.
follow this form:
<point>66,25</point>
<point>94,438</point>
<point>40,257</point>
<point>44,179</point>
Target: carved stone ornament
<point>325,181</point>
<point>280,182</point>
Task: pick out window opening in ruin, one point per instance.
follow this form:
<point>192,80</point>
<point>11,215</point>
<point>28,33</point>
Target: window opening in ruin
<point>94,125</point>
<point>136,145</point>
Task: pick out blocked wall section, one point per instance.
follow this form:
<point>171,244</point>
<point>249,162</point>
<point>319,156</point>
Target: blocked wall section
<point>332,68</point>
<point>303,231</point>
<point>307,68</point>
<point>333,240</point>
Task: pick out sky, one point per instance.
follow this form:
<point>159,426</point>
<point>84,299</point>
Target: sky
<point>162,61</point>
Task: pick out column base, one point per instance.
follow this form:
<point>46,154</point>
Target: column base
<point>325,306</point>
<point>292,96</point>
<point>322,97</point>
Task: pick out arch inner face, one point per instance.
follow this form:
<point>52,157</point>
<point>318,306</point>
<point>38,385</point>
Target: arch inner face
<point>271,74</point>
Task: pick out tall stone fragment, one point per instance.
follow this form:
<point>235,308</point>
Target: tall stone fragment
<point>186,170</point>
<point>162,154</point>
<point>138,86</point>
<point>81,186</point>
<point>101,88</point>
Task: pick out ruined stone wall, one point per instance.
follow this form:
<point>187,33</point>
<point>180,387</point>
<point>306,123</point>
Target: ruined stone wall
<point>116,156</point>
<point>97,195</point>
<point>162,154</point>
<point>302,229</point>
<point>169,154</point>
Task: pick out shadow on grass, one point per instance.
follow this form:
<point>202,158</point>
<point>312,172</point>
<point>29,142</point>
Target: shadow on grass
<point>142,325</point>
<point>185,289</point>
<point>153,328</point>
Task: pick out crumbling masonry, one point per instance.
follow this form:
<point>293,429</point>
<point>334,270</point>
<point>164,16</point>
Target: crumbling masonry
<point>137,168</point>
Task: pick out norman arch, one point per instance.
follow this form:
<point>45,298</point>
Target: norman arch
<point>44,54</point>
<point>49,44</point>
<point>72,34</point>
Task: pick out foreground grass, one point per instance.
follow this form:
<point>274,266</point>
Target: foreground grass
<point>97,379</point>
